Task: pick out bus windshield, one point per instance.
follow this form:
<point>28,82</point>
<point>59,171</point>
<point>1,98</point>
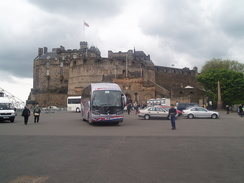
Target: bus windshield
<point>106,98</point>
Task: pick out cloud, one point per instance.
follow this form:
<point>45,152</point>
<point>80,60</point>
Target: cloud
<point>14,86</point>
<point>229,18</point>
<point>186,33</point>
<point>93,9</point>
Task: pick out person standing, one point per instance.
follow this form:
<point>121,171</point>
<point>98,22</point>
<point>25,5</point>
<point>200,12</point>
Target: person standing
<point>172,114</point>
<point>37,112</point>
<point>26,114</point>
<point>227,109</point>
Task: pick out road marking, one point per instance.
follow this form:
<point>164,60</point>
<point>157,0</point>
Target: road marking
<point>30,179</point>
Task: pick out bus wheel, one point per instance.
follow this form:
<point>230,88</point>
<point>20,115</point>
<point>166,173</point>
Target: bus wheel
<point>77,109</point>
<point>90,120</point>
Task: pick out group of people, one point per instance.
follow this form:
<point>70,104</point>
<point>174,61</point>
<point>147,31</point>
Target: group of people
<point>36,112</point>
<point>240,110</point>
<point>136,107</point>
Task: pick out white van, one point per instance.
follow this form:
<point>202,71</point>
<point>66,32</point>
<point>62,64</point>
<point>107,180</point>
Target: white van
<point>7,111</point>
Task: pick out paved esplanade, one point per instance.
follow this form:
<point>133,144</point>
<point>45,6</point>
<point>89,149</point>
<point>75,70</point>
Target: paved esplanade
<point>64,149</point>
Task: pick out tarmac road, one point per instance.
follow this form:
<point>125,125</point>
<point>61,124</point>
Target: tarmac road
<point>64,149</point>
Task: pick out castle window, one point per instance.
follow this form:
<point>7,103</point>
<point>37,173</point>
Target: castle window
<point>74,63</point>
<point>191,92</point>
<point>181,92</point>
<point>48,73</point>
<point>74,56</point>
<point>48,64</point>
<point>61,64</point>
<point>61,71</point>
<point>165,70</point>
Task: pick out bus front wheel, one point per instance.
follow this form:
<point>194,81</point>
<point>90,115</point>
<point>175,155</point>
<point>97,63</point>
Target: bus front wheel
<point>90,120</point>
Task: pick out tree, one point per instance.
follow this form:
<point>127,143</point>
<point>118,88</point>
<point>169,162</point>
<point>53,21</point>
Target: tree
<point>223,64</point>
<point>231,84</point>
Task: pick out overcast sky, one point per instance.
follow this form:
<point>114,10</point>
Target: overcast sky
<point>183,33</point>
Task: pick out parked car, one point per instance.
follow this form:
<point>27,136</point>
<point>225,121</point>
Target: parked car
<point>152,112</point>
<point>200,112</point>
<point>183,106</point>
<point>168,107</point>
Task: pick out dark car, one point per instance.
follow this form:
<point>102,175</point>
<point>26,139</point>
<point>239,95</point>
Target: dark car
<point>183,106</point>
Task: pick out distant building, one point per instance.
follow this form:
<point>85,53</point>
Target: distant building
<point>62,73</point>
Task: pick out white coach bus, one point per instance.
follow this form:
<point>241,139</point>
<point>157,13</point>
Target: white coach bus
<point>102,102</point>
<point>73,103</point>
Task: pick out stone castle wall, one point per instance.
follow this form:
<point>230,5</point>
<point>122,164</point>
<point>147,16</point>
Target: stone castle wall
<point>63,73</point>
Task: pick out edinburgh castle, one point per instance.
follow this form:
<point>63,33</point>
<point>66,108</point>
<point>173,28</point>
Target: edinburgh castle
<point>62,73</point>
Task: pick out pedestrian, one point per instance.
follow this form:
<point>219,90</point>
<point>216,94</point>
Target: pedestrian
<point>26,114</point>
<point>240,110</point>
<point>129,108</point>
<point>36,113</point>
<point>227,109</point>
<point>172,113</point>
<point>137,107</point>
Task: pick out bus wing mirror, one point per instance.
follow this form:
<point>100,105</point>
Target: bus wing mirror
<point>124,100</point>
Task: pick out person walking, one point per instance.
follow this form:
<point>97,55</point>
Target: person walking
<point>129,106</point>
<point>240,110</point>
<point>137,107</point>
<point>36,113</point>
<point>172,113</point>
<point>26,114</point>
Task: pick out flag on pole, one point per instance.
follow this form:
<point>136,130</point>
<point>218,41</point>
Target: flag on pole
<point>86,24</point>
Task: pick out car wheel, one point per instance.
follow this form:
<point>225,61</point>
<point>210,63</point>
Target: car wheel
<point>12,120</point>
<point>147,117</point>
<point>214,116</point>
<point>190,116</point>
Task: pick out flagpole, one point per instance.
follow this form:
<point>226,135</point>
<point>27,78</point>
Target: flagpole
<point>83,30</point>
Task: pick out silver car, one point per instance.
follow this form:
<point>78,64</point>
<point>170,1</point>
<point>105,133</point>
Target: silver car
<point>152,112</point>
<point>199,112</point>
